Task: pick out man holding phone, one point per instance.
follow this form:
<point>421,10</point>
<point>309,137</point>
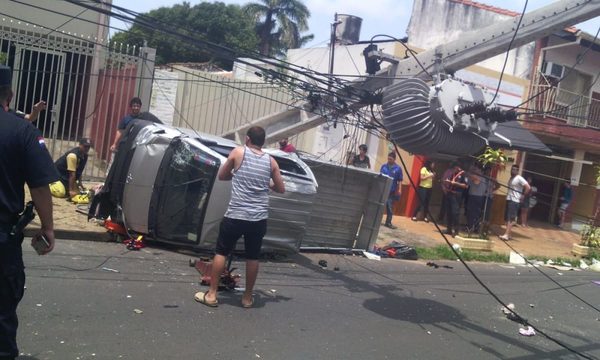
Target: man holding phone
<point>24,159</point>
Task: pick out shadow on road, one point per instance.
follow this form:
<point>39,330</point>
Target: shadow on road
<point>433,313</point>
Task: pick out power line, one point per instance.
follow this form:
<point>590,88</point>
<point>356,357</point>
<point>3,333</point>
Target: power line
<point>297,69</point>
<point>228,53</point>
<point>223,83</point>
<point>520,319</point>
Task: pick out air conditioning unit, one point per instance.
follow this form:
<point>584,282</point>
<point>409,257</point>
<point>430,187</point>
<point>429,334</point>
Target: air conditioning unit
<point>553,70</point>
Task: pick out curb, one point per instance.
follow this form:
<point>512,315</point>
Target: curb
<point>60,234</point>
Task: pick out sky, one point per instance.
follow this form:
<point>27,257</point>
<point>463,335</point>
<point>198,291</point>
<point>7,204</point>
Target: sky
<point>388,17</point>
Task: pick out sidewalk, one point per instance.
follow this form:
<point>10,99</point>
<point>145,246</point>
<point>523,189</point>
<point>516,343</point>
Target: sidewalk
<point>69,223</point>
<point>538,239</point>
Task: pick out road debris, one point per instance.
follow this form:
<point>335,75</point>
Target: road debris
<point>138,311</point>
<point>595,265</point>
<point>507,310</point>
<point>396,250</point>
<point>111,270</point>
<point>371,256</point>
<point>527,332</point>
<point>516,259</point>
<point>435,266</point>
<point>323,263</point>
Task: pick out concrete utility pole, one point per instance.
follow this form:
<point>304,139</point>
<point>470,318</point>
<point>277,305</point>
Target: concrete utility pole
<point>481,44</point>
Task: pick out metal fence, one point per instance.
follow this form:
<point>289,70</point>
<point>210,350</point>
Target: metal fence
<point>552,101</point>
<point>216,104</point>
<point>86,86</point>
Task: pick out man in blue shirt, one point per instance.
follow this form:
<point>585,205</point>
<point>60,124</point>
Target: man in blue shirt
<point>135,105</point>
<point>394,171</point>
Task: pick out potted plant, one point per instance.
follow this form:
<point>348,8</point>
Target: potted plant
<point>590,234</point>
<point>496,159</point>
<point>590,239</point>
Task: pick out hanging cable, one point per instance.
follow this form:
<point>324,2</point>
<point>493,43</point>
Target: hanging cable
<point>508,52</point>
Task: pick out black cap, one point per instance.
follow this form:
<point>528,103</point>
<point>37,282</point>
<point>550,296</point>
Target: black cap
<point>85,142</point>
<point>5,75</point>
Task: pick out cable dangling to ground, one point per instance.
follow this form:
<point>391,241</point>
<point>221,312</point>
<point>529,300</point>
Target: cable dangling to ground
<point>518,317</point>
<point>537,268</point>
<point>549,277</point>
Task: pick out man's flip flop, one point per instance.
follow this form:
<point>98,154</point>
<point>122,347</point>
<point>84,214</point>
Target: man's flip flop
<point>248,306</point>
<point>201,298</point>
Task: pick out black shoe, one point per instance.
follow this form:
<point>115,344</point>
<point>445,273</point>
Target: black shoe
<point>390,226</point>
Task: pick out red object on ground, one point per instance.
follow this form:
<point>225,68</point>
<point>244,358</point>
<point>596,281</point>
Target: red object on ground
<point>135,244</point>
<point>114,227</point>
<point>228,279</point>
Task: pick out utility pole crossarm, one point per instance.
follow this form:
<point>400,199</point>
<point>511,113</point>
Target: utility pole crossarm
<point>493,40</point>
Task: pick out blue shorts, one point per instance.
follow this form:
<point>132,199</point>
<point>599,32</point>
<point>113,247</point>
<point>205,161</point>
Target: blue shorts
<point>512,210</point>
<point>231,230</point>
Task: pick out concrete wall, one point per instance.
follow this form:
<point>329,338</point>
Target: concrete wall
<point>434,22</point>
<point>74,19</point>
<point>164,95</point>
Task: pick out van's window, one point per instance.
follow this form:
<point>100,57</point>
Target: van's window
<point>185,190</point>
<point>289,166</point>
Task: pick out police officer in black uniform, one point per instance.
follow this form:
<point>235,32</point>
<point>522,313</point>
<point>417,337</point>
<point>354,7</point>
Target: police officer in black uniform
<point>23,159</point>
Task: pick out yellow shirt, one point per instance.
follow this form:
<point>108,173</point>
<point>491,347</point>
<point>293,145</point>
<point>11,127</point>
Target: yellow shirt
<point>72,162</point>
<point>426,183</point>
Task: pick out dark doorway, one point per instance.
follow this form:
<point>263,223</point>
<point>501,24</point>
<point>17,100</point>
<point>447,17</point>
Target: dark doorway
<point>38,76</point>
<point>546,173</point>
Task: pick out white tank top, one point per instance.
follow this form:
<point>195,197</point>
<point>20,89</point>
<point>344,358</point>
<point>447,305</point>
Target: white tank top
<point>250,188</point>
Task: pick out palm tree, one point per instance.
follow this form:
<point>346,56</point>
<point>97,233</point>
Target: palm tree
<point>279,24</point>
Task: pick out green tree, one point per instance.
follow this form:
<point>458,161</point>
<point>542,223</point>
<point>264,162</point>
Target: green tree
<point>279,24</point>
<point>216,22</point>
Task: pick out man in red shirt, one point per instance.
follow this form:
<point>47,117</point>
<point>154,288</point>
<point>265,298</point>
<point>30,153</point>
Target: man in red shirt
<point>284,145</point>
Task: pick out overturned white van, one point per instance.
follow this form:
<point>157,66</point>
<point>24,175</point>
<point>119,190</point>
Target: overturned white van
<point>163,184</point>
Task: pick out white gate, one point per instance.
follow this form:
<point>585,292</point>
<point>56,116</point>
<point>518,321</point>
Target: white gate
<point>86,85</point>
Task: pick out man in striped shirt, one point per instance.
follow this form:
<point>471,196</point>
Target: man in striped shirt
<point>252,173</point>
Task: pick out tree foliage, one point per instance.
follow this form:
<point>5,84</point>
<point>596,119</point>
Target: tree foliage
<point>218,23</point>
<point>279,24</point>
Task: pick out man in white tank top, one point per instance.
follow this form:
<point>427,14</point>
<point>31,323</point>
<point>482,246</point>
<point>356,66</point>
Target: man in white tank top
<point>253,173</point>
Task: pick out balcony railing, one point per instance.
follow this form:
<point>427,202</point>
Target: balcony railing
<point>575,109</point>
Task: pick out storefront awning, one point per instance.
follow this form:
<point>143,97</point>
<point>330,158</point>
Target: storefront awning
<point>511,135</point>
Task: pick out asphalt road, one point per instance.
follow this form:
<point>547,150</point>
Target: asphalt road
<point>390,309</point>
